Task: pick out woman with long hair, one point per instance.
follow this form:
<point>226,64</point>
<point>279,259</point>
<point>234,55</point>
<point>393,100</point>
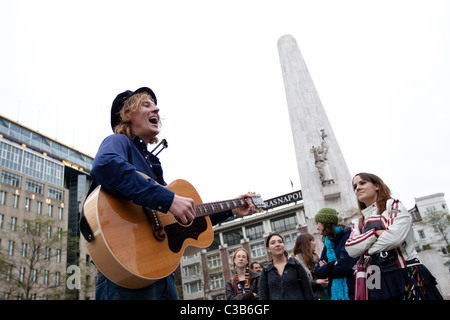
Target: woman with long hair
<point>384,233</point>
<point>244,284</point>
<point>305,253</point>
<point>283,278</point>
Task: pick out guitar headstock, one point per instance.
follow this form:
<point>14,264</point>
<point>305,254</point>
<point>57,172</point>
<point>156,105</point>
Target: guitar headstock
<point>259,203</point>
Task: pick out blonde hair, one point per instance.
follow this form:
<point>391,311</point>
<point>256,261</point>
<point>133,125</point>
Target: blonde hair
<point>131,105</point>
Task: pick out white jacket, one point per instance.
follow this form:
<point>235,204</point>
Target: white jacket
<point>398,234</point>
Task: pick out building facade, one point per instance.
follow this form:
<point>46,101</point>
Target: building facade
<point>43,184</point>
<point>432,234</point>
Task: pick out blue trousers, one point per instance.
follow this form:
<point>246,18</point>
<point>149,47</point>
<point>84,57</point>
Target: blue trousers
<point>163,289</point>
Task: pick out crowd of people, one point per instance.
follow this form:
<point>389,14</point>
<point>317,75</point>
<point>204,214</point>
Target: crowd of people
<point>380,241</point>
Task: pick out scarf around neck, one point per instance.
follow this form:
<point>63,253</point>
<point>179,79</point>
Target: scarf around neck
<point>239,289</point>
<point>339,289</point>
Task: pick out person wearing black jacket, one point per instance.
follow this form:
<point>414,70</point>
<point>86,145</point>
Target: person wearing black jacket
<point>283,278</point>
<point>244,284</point>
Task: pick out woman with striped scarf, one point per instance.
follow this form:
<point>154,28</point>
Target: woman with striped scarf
<point>244,284</point>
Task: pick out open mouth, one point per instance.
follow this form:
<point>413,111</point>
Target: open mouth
<point>154,120</point>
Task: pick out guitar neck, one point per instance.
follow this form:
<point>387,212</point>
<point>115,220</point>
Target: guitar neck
<point>206,209</point>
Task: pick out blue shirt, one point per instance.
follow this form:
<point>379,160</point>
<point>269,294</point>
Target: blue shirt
<point>116,168</point>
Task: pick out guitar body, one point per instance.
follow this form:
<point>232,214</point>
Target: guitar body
<point>125,248</point>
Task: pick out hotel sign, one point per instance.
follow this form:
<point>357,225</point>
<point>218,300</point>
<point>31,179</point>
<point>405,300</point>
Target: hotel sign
<point>284,199</point>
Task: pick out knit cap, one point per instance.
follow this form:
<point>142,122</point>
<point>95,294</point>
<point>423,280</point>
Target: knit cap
<point>327,215</point>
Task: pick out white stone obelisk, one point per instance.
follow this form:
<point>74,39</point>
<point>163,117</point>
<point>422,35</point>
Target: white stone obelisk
<point>324,177</point>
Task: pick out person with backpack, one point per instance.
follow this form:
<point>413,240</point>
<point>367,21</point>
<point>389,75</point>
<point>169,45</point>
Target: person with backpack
<point>383,235</point>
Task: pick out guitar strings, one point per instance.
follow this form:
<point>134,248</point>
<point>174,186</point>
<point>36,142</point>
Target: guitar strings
<point>204,209</point>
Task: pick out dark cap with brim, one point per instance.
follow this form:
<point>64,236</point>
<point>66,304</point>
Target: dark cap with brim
<point>119,101</point>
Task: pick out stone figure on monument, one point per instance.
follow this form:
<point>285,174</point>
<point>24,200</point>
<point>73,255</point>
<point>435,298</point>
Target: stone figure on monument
<point>321,161</point>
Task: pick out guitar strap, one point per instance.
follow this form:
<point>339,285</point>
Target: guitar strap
<point>85,228</point>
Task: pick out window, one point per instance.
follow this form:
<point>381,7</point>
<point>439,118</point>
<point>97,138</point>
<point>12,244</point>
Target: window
<point>11,179</point>
<point>289,240</point>
<point>21,273</point>
<point>32,165</point>
<point>2,197</point>
<point>38,207</point>
<point>232,237</point>
<point>53,173</point>
<point>8,273</point>
<point>258,249</point>
<point>254,231</point>
<point>46,277</point>
<point>284,223</point>
<point>27,204</point>
<point>49,210</point>
<point>191,270</point>
<point>25,226</point>
<point>15,201</point>
<point>59,232</point>
<point>33,186</point>
<point>37,229</point>
<point>10,247</point>
<point>58,255</point>
<point>10,157</point>
<point>216,281</point>
<point>214,261</point>
<point>24,250</point>
<point>193,287</point>
<point>55,193</point>
<point>33,275</point>
<point>421,234</point>
<point>13,223</point>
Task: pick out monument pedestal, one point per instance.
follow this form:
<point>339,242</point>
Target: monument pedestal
<point>331,191</point>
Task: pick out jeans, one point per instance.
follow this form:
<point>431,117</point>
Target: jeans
<point>163,289</point>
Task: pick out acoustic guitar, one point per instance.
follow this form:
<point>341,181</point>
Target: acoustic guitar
<point>134,246</point>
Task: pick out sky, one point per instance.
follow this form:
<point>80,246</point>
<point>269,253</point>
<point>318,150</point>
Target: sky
<point>381,69</point>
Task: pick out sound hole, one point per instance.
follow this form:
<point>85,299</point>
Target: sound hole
<point>181,222</point>
<point>178,233</point>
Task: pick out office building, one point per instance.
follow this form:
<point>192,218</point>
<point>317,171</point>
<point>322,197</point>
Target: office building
<point>43,182</point>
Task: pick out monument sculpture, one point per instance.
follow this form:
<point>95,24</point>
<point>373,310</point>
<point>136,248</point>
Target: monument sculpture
<point>321,160</point>
<point>324,177</point>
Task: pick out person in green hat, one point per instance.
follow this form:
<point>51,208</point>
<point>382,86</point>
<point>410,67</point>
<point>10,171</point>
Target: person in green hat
<point>335,263</point>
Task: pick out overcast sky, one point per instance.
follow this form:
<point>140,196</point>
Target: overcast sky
<point>381,69</point>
